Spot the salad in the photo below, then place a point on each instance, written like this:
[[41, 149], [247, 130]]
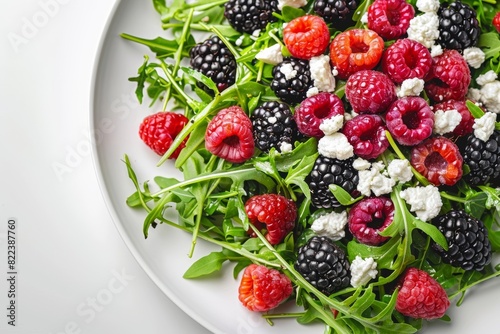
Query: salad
[[344, 155]]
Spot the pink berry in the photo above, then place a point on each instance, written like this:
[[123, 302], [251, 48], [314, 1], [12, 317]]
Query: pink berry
[[406, 59], [366, 133], [390, 18], [370, 92], [370, 216]]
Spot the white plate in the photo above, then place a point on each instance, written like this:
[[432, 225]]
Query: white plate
[[212, 302]]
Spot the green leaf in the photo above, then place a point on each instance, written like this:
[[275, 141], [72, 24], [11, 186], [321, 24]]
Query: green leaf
[[474, 109], [141, 79], [206, 265], [475, 203], [490, 43], [160, 46], [433, 232], [289, 13], [201, 78], [342, 196]]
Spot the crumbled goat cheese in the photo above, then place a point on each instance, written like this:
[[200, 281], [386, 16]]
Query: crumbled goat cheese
[[425, 202], [291, 3], [486, 78], [364, 18], [411, 87], [285, 147], [400, 170], [256, 33], [361, 164], [490, 96], [474, 94], [446, 121], [321, 73], [428, 6], [335, 146], [239, 41], [424, 29], [331, 125], [436, 50], [474, 57], [331, 225], [374, 181], [312, 91], [362, 271], [288, 71], [484, 126], [271, 55]]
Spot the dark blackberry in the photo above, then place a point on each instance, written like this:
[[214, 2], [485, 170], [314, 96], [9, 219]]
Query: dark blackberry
[[250, 15], [273, 125], [324, 265], [213, 59], [468, 243], [458, 26], [482, 159], [328, 171], [336, 13], [292, 80]]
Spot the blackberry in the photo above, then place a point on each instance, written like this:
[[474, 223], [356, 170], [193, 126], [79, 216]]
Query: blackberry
[[327, 171], [468, 243], [336, 13], [482, 158], [273, 125], [291, 80], [250, 15], [213, 59], [458, 26], [324, 265]]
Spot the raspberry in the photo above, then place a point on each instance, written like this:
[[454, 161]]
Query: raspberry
[[262, 289], [159, 130], [370, 91], [306, 36], [406, 59], [274, 211], [420, 296], [465, 126], [354, 50], [438, 160], [409, 120], [229, 135], [370, 216], [390, 18], [449, 77], [366, 133], [311, 112], [496, 21]]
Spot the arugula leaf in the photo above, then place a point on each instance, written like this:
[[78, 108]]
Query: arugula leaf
[[206, 265]]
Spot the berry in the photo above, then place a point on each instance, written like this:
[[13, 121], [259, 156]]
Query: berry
[[465, 126], [229, 135], [409, 120], [354, 50], [159, 130], [406, 59], [292, 80], [262, 289], [467, 238], [370, 216], [249, 16], [331, 171], [366, 134], [458, 26], [438, 160], [213, 59], [370, 91], [496, 21], [337, 13], [323, 264], [390, 18], [449, 77], [273, 125], [274, 211], [311, 112], [420, 296], [306, 36]]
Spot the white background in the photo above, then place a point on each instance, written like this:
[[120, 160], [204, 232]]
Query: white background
[[75, 274]]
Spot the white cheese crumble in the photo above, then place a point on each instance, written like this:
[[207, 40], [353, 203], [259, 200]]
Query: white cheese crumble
[[425, 202], [288, 71], [362, 271], [272, 119], [256, 33], [364, 18], [291, 3], [374, 181], [428, 6], [335, 146], [436, 50], [474, 94], [474, 57], [446, 121], [424, 29], [489, 94], [321, 73], [331, 225], [286, 147], [411, 87], [239, 41], [270, 55], [312, 91], [361, 164], [484, 126], [331, 125], [486, 78], [400, 170]]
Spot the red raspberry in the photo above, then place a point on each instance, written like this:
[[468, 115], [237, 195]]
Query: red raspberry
[[159, 130], [390, 18], [370, 216], [306, 36], [274, 211], [370, 91], [311, 112], [449, 77], [420, 296], [410, 120], [406, 59], [262, 289], [229, 135], [496, 21], [366, 133], [354, 50], [438, 160], [465, 126]]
